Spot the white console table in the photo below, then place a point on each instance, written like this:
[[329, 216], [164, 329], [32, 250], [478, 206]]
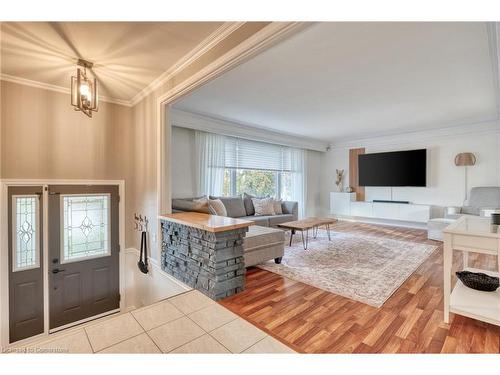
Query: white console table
[[477, 235], [345, 204]]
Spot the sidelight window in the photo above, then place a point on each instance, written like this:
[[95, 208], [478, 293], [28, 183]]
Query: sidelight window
[[26, 232]]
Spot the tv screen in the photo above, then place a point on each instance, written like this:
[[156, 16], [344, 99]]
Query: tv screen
[[402, 168]]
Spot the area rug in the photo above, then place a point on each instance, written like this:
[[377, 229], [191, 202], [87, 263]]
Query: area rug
[[363, 268]]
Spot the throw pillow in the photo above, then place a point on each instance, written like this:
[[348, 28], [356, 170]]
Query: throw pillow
[[217, 207], [277, 207], [247, 200], [263, 206]]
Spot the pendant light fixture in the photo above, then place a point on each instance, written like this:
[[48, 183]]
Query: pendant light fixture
[[84, 93]]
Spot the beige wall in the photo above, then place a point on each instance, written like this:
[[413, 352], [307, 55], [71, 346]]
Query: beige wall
[[43, 137]]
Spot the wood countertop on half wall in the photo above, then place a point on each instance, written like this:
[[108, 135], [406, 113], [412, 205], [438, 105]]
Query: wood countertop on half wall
[[210, 223]]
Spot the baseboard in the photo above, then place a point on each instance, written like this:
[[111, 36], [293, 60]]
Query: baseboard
[[387, 223], [145, 289], [154, 263]]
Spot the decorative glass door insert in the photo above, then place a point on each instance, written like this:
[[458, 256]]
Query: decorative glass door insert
[[26, 233], [85, 227]]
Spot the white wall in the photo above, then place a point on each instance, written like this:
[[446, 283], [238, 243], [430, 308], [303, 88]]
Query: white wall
[[445, 181], [313, 194], [183, 167]]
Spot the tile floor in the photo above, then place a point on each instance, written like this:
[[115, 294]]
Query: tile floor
[[187, 323]]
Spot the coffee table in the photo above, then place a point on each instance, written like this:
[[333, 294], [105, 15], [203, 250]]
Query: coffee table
[[305, 224]]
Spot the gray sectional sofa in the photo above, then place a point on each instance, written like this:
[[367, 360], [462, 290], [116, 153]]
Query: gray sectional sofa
[[242, 207]]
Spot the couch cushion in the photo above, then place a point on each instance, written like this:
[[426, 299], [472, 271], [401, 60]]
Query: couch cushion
[[278, 219], [258, 237], [234, 206], [189, 205], [247, 200], [258, 220], [485, 196]]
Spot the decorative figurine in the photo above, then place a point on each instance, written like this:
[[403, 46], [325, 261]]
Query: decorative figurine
[[339, 180]]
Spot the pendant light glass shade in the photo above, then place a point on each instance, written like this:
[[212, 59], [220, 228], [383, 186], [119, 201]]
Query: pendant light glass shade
[[84, 91]]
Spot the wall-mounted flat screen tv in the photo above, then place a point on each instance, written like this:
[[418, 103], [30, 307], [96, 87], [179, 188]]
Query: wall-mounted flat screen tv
[[401, 168]]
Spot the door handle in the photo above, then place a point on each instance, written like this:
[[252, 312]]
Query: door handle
[[57, 270]]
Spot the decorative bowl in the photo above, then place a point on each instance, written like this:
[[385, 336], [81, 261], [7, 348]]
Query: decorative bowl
[[479, 281]]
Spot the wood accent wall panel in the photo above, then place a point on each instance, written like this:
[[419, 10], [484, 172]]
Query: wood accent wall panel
[[354, 173]]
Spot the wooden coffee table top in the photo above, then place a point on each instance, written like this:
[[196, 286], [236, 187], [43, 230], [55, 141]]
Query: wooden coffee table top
[[308, 223]]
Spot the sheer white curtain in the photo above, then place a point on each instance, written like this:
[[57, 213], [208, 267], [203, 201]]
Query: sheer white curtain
[[210, 160], [299, 180]]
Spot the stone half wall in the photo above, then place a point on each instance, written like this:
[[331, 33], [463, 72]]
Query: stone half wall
[[210, 262]]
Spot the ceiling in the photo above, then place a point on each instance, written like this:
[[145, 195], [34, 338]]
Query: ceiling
[[127, 56], [340, 81]]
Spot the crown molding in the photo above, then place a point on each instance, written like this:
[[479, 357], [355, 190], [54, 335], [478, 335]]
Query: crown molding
[[411, 137], [256, 43], [62, 90], [206, 44], [223, 126]]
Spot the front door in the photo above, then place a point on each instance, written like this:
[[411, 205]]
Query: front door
[[83, 252], [25, 208]]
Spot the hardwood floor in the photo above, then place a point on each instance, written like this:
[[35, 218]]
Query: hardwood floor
[[311, 320]]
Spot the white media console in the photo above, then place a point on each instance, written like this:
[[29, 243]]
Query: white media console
[[345, 205]]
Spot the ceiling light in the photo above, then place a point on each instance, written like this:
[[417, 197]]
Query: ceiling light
[[84, 93]]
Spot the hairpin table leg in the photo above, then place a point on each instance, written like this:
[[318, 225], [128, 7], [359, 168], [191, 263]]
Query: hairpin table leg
[[304, 243]]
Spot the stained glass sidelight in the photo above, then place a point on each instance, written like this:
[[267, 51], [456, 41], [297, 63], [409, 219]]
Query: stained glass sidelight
[[26, 233], [85, 226]]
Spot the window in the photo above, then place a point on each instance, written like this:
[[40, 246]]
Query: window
[[258, 182], [232, 166], [85, 227], [26, 232], [256, 168]]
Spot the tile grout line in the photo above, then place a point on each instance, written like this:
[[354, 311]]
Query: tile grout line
[[251, 346], [237, 317], [208, 333], [146, 332], [118, 342], [88, 339]]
